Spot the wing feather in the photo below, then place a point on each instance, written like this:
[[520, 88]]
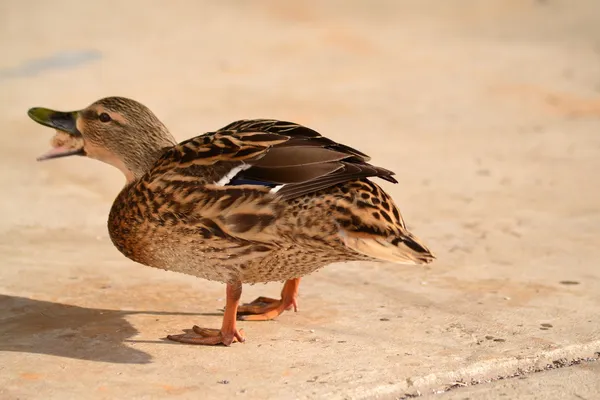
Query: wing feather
[[270, 153]]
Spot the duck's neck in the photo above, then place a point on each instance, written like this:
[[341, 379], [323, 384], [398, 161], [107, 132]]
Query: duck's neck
[[137, 165], [137, 158]]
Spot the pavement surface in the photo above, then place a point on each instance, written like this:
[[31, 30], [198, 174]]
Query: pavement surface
[[488, 111]]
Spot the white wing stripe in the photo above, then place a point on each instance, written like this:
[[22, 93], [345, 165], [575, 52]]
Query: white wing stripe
[[276, 188], [231, 174]]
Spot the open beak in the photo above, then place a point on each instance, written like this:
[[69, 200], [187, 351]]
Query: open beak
[[68, 141]]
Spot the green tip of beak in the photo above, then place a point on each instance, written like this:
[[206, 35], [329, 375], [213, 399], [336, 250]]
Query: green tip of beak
[[41, 115], [62, 121]]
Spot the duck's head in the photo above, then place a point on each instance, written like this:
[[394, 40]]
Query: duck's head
[[115, 130]]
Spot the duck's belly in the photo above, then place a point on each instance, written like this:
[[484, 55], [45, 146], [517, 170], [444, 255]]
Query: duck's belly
[[293, 262], [225, 261], [210, 260]]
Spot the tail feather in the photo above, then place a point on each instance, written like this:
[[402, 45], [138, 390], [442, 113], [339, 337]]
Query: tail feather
[[405, 249]]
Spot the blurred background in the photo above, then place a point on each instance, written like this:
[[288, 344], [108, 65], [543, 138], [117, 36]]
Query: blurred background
[[487, 110]]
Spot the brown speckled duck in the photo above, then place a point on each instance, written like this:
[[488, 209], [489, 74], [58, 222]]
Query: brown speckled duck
[[255, 201]]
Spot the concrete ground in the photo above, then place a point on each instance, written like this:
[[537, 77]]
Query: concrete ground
[[489, 112]]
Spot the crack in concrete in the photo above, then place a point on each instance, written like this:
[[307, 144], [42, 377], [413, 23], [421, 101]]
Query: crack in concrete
[[520, 373]]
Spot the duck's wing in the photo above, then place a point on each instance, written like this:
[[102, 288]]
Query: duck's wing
[[288, 159]]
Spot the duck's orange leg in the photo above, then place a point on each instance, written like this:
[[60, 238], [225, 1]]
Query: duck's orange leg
[[228, 332], [265, 308]]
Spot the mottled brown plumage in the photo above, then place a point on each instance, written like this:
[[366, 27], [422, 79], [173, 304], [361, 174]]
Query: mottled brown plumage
[[256, 201]]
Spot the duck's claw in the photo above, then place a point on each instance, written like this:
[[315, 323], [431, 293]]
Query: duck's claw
[[208, 336]]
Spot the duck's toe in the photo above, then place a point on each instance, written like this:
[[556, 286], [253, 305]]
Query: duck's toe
[[266, 308], [208, 336], [261, 309]]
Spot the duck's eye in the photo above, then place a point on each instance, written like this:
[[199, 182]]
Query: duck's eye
[[104, 117]]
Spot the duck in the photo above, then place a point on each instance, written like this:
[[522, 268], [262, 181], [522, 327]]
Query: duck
[[259, 200]]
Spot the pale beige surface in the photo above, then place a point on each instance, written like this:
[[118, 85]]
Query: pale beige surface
[[489, 112]]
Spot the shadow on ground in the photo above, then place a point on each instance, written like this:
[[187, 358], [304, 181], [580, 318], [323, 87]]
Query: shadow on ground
[[43, 327]]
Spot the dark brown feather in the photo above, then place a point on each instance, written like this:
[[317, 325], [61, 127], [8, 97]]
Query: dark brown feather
[[290, 174], [348, 172], [300, 155]]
